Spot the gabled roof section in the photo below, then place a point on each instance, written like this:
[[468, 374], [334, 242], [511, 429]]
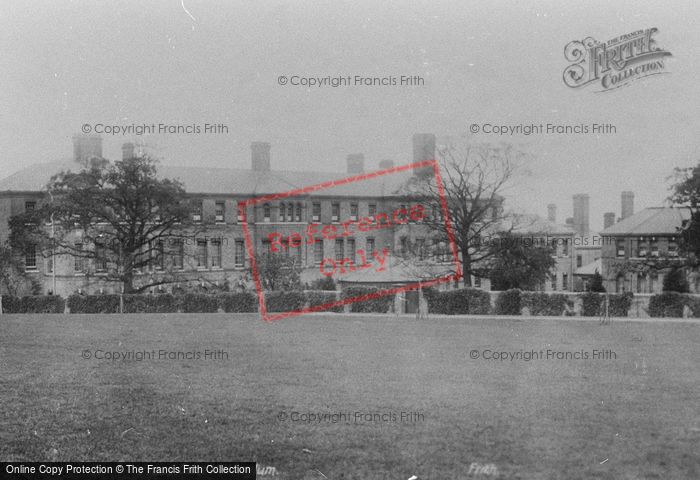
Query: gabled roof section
[[650, 221]]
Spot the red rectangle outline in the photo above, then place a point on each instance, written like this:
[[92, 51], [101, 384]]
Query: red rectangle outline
[[250, 248]]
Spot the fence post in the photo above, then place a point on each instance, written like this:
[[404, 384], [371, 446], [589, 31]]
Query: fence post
[[121, 303], [0, 304]]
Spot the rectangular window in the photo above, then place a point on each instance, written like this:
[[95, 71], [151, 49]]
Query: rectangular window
[[372, 209], [49, 264], [290, 212], [354, 211], [404, 246], [266, 213], [565, 247], [654, 247], [197, 212], [370, 246], [351, 249], [297, 217], [316, 215], [201, 254], [79, 263], [620, 246], [240, 253], [219, 211], [216, 253], [29, 206], [554, 282], [100, 257], [30, 257], [178, 254], [339, 249], [282, 211], [239, 218], [318, 252], [565, 281], [672, 248], [335, 212], [477, 282], [579, 261]]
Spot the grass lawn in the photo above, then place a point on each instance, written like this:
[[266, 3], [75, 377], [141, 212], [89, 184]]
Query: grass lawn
[[633, 417]]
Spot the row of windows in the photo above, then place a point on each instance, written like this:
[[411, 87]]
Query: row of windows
[[208, 254], [646, 247]]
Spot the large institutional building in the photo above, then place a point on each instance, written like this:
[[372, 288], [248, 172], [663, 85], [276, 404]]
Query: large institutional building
[[218, 256]]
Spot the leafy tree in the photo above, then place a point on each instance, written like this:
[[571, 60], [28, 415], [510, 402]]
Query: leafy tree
[[686, 193], [675, 281], [278, 271], [118, 218], [323, 283], [474, 177], [596, 284], [518, 264], [13, 281]]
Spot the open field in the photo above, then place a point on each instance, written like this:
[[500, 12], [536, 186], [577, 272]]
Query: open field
[[635, 416]]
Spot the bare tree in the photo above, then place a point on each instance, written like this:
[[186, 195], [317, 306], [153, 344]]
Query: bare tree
[[474, 177]]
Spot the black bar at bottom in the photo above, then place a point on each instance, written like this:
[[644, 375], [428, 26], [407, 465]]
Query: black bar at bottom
[[129, 470]]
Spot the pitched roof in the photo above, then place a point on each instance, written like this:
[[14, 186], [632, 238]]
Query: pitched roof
[[532, 224], [226, 181], [591, 268], [650, 221]]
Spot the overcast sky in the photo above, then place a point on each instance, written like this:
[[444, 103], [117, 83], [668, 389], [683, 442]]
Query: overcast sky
[[189, 62]]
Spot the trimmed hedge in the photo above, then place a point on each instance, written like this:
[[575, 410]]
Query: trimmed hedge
[[316, 297], [198, 303], [380, 304], [671, 304], [284, 301], [93, 303], [158, 303], [33, 304], [238, 302], [618, 306], [544, 304], [508, 302], [463, 301]]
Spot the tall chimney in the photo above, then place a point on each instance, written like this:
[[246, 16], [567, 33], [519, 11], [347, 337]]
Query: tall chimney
[[608, 219], [552, 213], [86, 146], [627, 205], [356, 163], [127, 151], [423, 149], [260, 156], [581, 212], [384, 164]]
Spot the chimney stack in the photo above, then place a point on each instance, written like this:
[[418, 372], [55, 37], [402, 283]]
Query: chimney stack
[[423, 149], [356, 163], [581, 214], [385, 164], [608, 219], [552, 213], [260, 156], [86, 146], [627, 205], [128, 151]]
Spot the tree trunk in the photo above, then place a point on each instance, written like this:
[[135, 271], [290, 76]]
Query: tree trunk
[[466, 269]]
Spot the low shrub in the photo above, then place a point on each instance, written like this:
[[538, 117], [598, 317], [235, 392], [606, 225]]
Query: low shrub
[[508, 302], [381, 304], [238, 302], [198, 303], [33, 304], [158, 303], [463, 301], [670, 304], [284, 301], [618, 304], [315, 297], [540, 303], [93, 303]]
